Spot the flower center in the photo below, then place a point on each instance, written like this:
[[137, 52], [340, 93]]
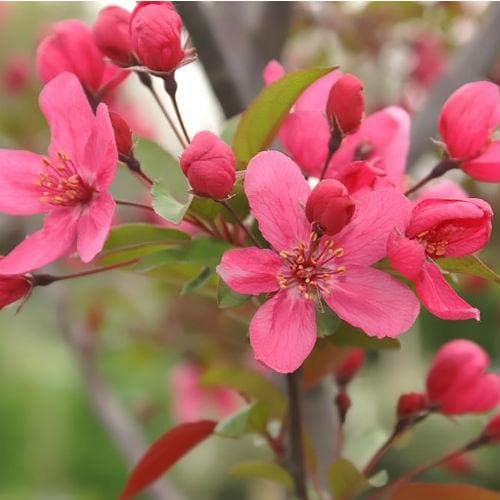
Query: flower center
[[433, 243], [61, 184], [311, 266]]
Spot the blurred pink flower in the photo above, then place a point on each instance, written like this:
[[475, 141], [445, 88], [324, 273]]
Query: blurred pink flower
[[457, 381], [303, 269], [16, 74], [467, 123], [444, 189], [430, 59], [440, 228], [70, 186], [71, 47], [192, 401]]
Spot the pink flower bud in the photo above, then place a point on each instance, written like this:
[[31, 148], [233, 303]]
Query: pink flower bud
[[155, 30], [210, 166], [123, 134], [112, 35], [411, 404], [346, 104], [492, 429], [350, 366], [15, 77], [330, 205], [457, 381], [13, 288], [343, 402]]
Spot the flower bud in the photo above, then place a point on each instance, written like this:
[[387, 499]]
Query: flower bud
[[350, 366], [112, 35], [155, 31], [492, 429], [343, 402], [210, 166], [457, 381], [330, 206], [123, 134], [411, 405], [346, 104], [16, 75], [13, 288]]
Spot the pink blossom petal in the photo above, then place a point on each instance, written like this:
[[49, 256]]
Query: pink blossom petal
[[273, 72], [440, 298], [374, 301], [250, 270], [101, 157], [305, 135], [19, 177], [378, 212], [55, 239], [94, 225], [315, 96], [277, 193], [387, 132], [283, 331], [485, 167], [444, 189], [112, 77], [188, 397], [406, 256], [467, 118], [68, 113]]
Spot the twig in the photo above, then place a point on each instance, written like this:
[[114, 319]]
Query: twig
[[297, 465], [238, 220], [171, 88], [134, 204]]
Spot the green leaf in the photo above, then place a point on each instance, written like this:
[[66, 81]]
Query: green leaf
[[251, 384], [423, 491], [380, 479], [229, 129], [170, 192], [264, 470], [328, 322], [345, 480], [226, 297], [250, 419], [261, 120], [197, 251], [471, 265], [198, 281], [351, 336], [128, 236]]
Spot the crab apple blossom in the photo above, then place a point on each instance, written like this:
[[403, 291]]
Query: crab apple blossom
[[440, 228], [112, 35], [330, 206], [14, 288], [457, 381], [70, 47], [467, 123], [350, 366], [155, 31], [411, 405], [210, 166], [302, 268], [123, 134], [16, 75], [70, 185], [346, 104]]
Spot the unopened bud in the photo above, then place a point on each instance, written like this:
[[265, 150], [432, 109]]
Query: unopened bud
[[13, 288], [411, 405], [112, 35], [343, 402], [346, 104], [350, 366], [210, 166], [492, 430], [123, 134], [330, 206], [155, 31]]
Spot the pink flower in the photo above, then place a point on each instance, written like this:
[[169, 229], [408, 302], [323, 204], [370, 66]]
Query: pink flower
[[112, 35], [302, 269], [346, 104], [71, 47], [467, 122], [155, 31], [430, 59], [444, 189], [210, 166], [192, 401], [382, 140], [273, 72], [350, 366], [440, 228], [16, 75], [492, 430], [70, 186], [411, 405], [457, 381]]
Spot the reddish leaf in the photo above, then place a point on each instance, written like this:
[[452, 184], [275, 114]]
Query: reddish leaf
[[428, 491], [164, 453]]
